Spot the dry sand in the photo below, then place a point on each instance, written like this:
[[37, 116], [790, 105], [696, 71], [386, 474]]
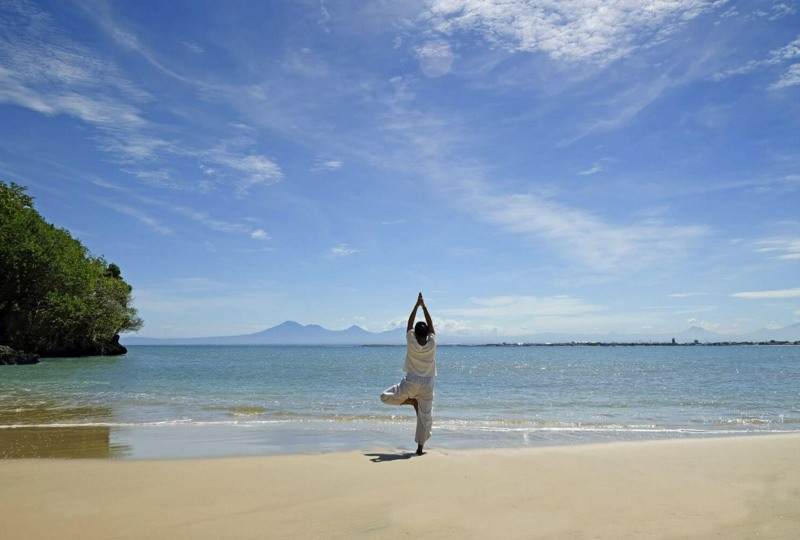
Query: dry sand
[[705, 488]]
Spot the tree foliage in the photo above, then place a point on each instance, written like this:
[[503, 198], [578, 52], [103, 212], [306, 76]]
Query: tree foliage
[[55, 297]]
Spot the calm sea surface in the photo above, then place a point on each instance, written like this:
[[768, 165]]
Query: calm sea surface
[[167, 402]]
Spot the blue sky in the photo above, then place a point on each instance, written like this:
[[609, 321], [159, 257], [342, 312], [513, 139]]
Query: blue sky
[[571, 166]]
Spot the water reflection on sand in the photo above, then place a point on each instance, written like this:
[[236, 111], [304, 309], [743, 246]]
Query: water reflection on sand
[[58, 442], [34, 413], [32, 431]]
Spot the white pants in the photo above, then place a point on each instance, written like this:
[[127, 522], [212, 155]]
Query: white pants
[[423, 393]]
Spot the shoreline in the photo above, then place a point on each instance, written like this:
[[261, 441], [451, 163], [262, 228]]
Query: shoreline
[[736, 487], [221, 440]]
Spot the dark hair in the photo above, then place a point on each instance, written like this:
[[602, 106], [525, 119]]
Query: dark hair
[[421, 330]]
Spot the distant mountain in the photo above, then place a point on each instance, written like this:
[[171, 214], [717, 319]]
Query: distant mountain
[[292, 333], [287, 333], [695, 333], [787, 333]]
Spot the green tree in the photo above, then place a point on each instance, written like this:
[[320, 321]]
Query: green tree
[[55, 297]]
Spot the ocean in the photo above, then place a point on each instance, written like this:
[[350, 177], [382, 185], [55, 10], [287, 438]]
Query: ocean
[[210, 401]]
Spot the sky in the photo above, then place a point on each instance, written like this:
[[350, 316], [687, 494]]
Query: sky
[[530, 166]]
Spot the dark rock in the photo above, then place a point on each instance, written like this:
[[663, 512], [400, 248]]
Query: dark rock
[[10, 357], [114, 348], [111, 348]]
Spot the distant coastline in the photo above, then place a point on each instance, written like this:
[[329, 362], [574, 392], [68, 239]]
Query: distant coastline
[[648, 344], [771, 343], [292, 333]]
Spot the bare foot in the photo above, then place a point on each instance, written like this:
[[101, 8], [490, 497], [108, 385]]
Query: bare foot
[[419, 450]]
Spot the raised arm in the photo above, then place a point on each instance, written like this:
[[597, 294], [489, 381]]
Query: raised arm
[[413, 315], [428, 319]]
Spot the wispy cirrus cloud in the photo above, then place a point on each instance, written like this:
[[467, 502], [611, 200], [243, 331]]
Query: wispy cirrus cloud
[[249, 169], [572, 30], [44, 71], [148, 206], [597, 244], [499, 307], [780, 248], [323, 164], [515, 315], [789, 53], [342, 250], [687, 294], [776, 11], [238, 169], [762, 295], [790, 78], [100, 12], [141, 216], [259, 234], [597, 166], [594, 169], [203, 218]]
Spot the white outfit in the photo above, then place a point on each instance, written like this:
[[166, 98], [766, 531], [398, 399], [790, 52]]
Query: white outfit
[[420, 359], [420, 368]]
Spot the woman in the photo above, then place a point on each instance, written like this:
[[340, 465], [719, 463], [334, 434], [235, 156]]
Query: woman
[[416, 388]]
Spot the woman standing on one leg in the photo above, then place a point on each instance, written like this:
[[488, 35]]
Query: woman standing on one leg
[[416, 388]]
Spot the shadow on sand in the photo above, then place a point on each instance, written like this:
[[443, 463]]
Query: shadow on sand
[[380, 458]]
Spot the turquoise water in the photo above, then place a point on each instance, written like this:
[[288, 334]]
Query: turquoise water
[[207, 401]]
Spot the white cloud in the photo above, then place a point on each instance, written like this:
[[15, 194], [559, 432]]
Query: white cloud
[[597, 166], [776, 11], [45, 72], [193, 47], [203, 218], [631, 101], [775, 57], [524, 315], [435, 58], [341, 251], [759, 295], [322, 164], [168, 179], [132, 147], [594, 169], [259, 234], [580, 235], [790, 78], [786, 53], [504, 307], [785, 249], [584, 237], [573, 30], [256, 169], [465, 252], [141, 216], [699, 309], [100, 13], [687, 295], [455, 327]]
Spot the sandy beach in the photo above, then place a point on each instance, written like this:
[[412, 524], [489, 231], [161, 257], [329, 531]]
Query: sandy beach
[[728, 488]]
